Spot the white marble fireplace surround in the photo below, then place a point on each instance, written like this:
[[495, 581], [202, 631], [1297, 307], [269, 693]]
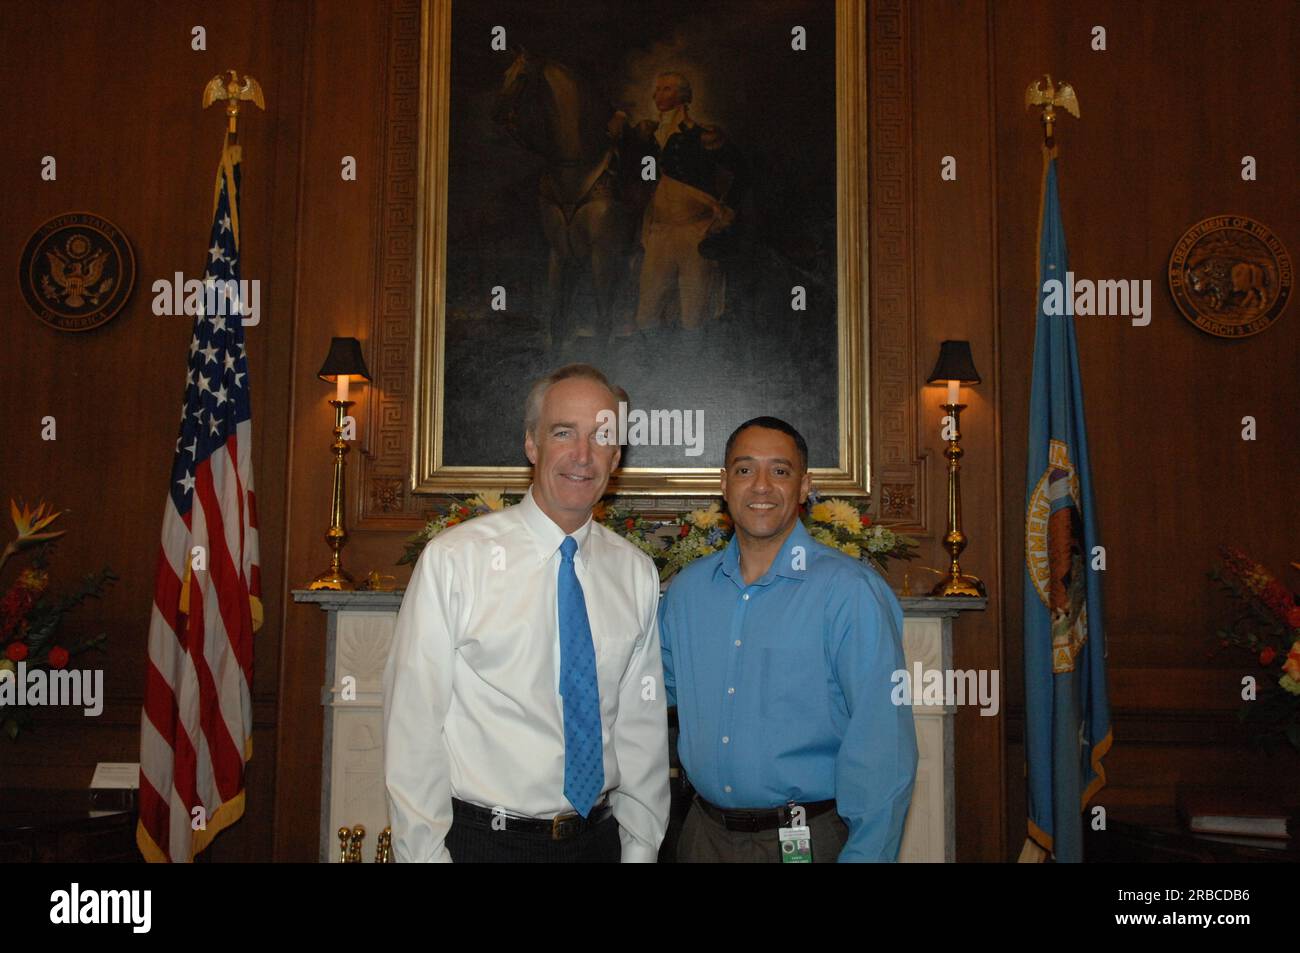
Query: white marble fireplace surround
[[359, 630]]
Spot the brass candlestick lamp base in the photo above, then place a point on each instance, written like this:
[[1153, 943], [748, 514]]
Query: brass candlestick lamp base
[[956, 583], [336, 577]]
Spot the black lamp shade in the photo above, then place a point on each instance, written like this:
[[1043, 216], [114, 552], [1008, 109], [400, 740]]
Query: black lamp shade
[[954, 364], [344, 358]]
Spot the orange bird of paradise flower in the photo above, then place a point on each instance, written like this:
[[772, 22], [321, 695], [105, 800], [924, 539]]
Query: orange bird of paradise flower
[[30, 525]]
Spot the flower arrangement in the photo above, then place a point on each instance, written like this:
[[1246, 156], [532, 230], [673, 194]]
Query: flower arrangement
[[458, 509], [1266, 623], [30, 615], [846, 526], [674, 543]]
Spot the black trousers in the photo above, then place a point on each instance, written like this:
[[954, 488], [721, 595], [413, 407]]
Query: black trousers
[[470, 842]]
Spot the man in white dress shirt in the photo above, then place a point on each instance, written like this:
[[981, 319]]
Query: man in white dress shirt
[[491, 636]]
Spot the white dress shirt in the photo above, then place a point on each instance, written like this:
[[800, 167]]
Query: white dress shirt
[[471, 708]]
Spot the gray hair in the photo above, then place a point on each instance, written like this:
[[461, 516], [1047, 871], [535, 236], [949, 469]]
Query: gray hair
[[683, 84], [537, 394]]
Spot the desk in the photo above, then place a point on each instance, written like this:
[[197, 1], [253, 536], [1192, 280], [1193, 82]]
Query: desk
[[1126, 842], [61, 827]]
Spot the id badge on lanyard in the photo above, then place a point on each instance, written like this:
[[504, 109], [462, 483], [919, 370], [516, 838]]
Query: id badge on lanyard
[[796, 840]]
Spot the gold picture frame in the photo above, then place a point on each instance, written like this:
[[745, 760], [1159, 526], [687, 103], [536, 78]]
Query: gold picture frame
[[430, 474]]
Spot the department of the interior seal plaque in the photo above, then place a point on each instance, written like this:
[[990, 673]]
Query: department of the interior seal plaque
[[76, 272], [1230, 276]]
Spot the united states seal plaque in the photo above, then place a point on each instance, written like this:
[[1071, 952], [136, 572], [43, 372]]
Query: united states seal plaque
[[1230, 276], [76, 272]]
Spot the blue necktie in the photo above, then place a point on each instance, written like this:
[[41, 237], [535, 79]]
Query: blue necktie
[[584, 761]]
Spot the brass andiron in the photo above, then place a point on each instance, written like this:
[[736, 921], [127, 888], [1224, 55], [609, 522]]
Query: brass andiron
[[956, 367], [384, 848], [344, 362], [354, 844], [351, 840]]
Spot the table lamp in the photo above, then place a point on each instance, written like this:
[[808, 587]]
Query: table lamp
[[955, 367], [343, 363]]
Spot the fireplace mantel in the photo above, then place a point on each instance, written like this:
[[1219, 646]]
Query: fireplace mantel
[[358, 633]]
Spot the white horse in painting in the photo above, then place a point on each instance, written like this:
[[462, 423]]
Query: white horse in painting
[[555, 112]]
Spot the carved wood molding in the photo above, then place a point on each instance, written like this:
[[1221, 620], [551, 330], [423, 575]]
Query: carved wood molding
[[384, 463], [899, 487], [382, 496]]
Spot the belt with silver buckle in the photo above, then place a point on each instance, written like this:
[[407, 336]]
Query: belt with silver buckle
[[560, 827]]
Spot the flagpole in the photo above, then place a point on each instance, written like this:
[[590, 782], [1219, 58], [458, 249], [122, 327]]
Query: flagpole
[[1039, 845]]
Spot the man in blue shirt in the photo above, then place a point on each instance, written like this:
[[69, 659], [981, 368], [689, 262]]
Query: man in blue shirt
[[778, 653]]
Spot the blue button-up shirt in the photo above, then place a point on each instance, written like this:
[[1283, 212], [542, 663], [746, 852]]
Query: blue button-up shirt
[[784, 688]]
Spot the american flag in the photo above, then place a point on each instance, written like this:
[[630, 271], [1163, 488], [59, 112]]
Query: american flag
[[196, 726]]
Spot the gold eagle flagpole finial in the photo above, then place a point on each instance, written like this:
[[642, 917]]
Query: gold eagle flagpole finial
[[1043, 93], [233, 92]]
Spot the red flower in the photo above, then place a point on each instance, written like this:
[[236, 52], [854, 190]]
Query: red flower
[[14, 609], [1267, 655], [866, 520], [1292, 664], [629, 523], [684, 531], [17, 651], [1277, 598], [58, 657]]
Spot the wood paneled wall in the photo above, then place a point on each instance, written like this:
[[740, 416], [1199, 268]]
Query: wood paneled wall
[[1169, 109], [113, 93], [1181, 93]]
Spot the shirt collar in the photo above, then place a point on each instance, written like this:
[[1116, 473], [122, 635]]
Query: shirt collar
[[782, 565], [547, 536]]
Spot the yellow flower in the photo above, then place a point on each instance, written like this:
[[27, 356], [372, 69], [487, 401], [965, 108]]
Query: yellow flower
[[1290, 684], [821, 513], [489, 498], [707, 519], [34, 579], [852, 550], [845, 515]]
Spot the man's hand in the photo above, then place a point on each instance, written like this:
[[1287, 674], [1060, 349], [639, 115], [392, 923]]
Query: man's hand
[[723, 217]]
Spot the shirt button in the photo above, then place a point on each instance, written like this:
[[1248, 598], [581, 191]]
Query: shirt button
[[746, 597], [727, 788], [726, 739], [737, 641], [731, 691]]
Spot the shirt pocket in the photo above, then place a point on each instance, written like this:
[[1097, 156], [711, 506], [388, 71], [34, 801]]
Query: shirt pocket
[[613, 653]]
